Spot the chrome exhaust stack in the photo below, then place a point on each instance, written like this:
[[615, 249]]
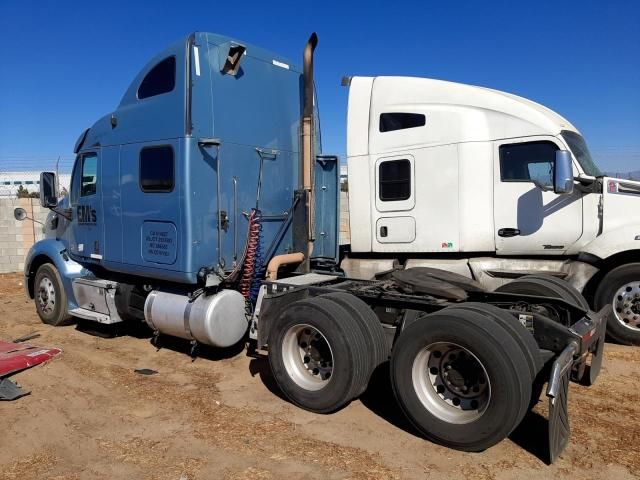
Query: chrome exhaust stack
[[308, 145]]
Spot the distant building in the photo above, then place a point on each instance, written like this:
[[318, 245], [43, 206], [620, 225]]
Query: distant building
[[10, 182]]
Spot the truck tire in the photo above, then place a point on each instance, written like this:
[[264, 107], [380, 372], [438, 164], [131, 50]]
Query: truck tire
[[318, 355], [546, 285], [370, 326], [569, 290], [517, 331], [50, 297], [524, 338], [369, 323], [621, 289], [462, 381]]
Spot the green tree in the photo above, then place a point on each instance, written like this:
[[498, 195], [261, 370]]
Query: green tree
[[22, 192]]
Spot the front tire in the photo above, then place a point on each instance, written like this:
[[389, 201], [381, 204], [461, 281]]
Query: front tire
[[461, 379], [620, 288], [50, 297]]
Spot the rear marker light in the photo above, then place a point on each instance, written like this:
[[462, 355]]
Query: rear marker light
[[589, 334]]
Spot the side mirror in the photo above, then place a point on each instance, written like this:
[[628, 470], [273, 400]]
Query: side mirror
[[48, 195], [19, 214], [563, 173]]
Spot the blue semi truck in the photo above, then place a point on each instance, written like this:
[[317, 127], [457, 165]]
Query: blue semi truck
[[203, 207]]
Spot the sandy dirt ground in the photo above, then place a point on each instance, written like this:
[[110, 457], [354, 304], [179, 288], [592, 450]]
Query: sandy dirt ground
[[221, 417]]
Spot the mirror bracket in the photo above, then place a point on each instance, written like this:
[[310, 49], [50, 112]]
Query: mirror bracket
[[544, 188], [65, 213]]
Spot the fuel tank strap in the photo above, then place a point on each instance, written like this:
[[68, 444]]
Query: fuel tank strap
[[147, 311], [185, 318]]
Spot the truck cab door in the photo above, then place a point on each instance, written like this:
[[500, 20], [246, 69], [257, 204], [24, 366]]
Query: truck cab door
[[529, 219], [85, 200]]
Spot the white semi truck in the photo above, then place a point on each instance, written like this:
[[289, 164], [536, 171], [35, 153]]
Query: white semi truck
[[460, 178]]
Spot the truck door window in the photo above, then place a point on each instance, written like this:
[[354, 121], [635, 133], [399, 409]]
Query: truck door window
[[89, 174], [529, 161], [160, 79], [394, 177], [157, 169], [399, 121]]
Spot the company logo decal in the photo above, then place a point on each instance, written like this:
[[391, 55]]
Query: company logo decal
[[447, 245], [86, 214]]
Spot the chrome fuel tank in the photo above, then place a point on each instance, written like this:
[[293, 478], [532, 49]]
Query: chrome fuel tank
[[218, 320]]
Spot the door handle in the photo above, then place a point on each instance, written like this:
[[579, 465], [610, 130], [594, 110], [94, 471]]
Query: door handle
[[508, 232], [383, 232]]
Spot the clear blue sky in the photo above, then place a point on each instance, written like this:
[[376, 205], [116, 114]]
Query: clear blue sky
[[65, 64]]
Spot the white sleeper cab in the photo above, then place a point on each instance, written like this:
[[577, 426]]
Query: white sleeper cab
[[461, 178]]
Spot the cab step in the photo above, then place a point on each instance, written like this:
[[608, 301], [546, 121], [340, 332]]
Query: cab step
[[96, 300]]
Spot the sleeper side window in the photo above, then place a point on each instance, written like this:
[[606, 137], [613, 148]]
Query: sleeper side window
[[400, 121], [157, 169], [160, 79], [394, 180], [528, 162], [89, 178]]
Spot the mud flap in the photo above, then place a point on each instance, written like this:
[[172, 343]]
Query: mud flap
[[558, 393], [596, 355]]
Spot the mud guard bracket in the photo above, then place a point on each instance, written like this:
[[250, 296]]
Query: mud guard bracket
[[597, 352]]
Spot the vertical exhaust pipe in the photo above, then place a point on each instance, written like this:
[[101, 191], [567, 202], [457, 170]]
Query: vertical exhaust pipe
[[308, 143]]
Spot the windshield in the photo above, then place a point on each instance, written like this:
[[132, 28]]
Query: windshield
[[579, 148]]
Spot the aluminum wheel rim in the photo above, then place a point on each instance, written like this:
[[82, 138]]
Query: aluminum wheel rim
[[307, 357], [46, 296], [451, 382], [626, 305]]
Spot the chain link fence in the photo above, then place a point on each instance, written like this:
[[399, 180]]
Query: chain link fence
[[20, 175]]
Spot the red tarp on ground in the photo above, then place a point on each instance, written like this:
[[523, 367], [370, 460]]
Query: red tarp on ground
[[20, 356]]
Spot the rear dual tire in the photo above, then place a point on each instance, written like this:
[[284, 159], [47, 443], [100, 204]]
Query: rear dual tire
[[323, 350], [545, 285], [473, 401], [322, 354]]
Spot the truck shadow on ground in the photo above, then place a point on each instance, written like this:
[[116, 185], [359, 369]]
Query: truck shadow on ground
[[260, 367], [142, 331], [530, 435], [202, 351]]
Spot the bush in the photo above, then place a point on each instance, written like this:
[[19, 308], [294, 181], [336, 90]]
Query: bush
[[22, 192]]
